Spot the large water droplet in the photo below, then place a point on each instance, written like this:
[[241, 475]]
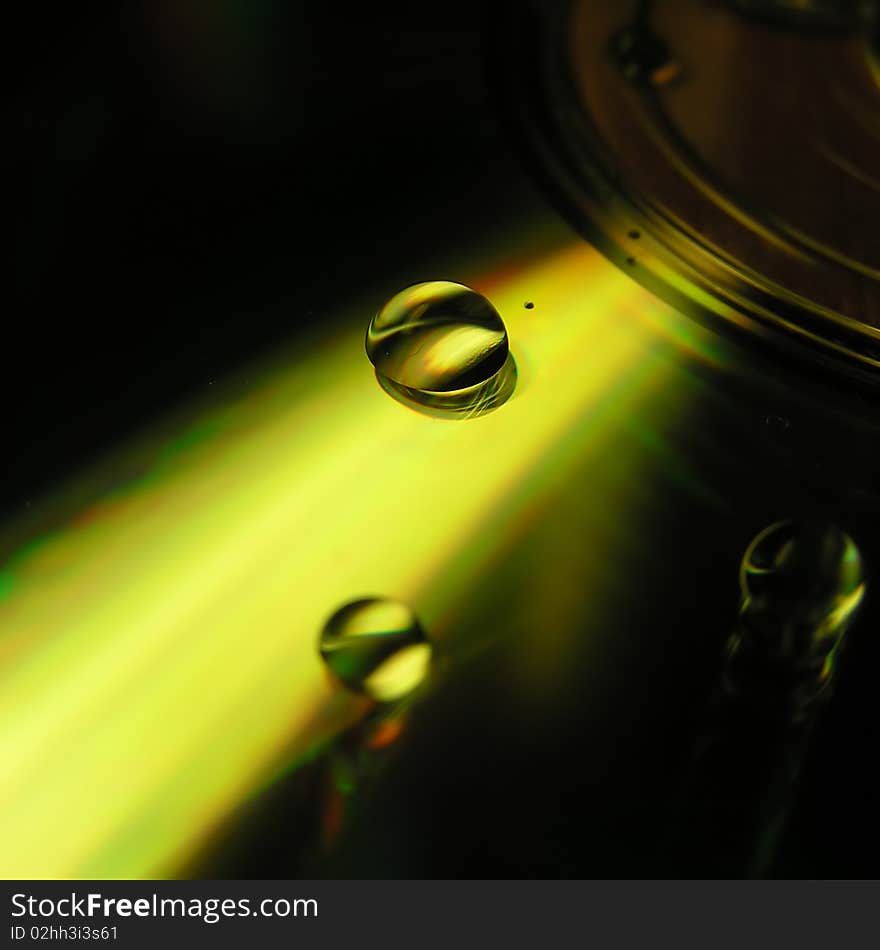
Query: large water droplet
[[442, 347], [376, 646]]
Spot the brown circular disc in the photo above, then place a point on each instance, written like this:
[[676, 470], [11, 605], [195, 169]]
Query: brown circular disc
[[728, 160]]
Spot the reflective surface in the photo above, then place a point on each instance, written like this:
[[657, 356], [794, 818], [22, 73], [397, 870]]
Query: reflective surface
[[574, 555]]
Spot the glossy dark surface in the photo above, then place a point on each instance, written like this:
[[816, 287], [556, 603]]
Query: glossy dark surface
[[184, 202]]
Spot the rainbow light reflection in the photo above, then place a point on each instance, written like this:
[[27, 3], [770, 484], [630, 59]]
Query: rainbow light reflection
[[159, 656]]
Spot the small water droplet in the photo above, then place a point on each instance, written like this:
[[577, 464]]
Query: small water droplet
[[643, 56], [377, 647], [777, 426], [442, 347]]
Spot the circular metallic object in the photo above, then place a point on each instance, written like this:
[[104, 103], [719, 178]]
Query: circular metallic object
[[727, 164]]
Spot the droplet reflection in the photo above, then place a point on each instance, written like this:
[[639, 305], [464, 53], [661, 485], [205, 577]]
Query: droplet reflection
[[442, 348], [375, 646], [802, 585]]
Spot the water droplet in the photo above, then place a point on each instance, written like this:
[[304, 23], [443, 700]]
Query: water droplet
[[377, 647], [441, 347], [643, 56], [777, 426], [802, 587], [806, 577]]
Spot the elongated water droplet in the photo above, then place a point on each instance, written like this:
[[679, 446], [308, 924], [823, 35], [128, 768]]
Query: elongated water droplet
[[809, 573], [803, 585], [440, 346], [376, 646]]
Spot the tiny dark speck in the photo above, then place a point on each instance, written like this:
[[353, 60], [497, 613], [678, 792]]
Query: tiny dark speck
[[529, 305]]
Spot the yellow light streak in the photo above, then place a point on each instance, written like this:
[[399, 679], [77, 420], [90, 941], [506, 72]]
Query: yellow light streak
[[159, 653]]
